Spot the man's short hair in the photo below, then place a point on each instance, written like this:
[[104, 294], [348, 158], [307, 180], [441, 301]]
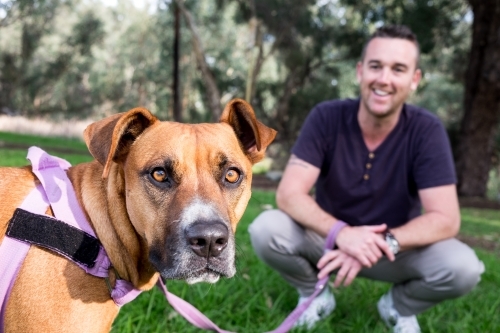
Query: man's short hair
[[394, 31]]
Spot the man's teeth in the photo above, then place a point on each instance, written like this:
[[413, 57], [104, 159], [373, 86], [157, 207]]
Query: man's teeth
[[381, 92]]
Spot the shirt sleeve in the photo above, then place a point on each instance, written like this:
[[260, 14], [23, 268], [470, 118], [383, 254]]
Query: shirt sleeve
[[433, 162], [311, 145]]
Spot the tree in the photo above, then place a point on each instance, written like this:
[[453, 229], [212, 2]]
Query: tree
[[34, 19], [213, 93], [480, 123], [29, 72], [177, 106], [295, 40]]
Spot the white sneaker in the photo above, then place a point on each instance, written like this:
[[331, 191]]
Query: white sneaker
[[320, 308], [392, 318]]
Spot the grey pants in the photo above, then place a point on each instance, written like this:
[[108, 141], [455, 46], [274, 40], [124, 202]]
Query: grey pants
[[421, 277]]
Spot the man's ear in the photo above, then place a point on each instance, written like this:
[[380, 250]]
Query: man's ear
[[109, 140], [359, 71], [252, 134], [417, 76]]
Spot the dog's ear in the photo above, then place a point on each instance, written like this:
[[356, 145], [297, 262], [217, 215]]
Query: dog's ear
[[253, 135], [109, 139]]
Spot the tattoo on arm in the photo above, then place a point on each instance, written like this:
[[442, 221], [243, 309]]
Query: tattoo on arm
[[296, 161]]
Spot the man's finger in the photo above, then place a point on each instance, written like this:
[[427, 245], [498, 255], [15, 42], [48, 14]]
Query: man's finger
[[377, 228], [361, 257], [371, 257], [376, 252], [365, 261], [353, 272], [385, 248], [327, 257], [330, 267], [341, 274]]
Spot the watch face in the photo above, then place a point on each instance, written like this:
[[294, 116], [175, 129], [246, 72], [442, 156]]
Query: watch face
[[392, 242]]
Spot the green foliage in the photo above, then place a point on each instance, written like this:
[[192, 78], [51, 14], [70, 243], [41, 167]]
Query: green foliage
[[46, 55], [79, 59], [432, 21]]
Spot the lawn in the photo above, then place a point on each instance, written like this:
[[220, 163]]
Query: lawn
[[13, 148], [257, 299]]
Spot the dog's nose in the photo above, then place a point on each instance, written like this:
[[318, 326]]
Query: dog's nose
[[207, 239]]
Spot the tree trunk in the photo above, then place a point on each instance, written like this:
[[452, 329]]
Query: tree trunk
[[256, 60], [9, 75], [482, 101], [207, 75], [177, 107]]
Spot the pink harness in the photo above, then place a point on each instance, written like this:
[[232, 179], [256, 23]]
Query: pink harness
[[57, 192]]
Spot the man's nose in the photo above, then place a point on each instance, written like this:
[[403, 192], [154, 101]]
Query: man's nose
[[384, 76]]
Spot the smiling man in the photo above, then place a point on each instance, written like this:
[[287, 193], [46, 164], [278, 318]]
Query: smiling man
[[384, 189]]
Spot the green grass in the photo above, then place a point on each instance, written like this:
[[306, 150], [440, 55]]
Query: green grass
[[483, 222], [49, 142], [258, 300], [14, 148]]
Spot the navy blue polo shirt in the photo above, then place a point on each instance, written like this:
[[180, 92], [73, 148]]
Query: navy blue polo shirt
[[367, 188]]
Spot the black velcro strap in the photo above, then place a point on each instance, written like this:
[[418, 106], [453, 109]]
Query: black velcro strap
[[55, 235]]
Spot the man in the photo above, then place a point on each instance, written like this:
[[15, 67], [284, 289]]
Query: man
[[376, 162]]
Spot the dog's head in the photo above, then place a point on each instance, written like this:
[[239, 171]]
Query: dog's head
[[185, 186]]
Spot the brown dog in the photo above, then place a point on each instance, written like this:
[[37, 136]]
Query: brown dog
[[161, 196]]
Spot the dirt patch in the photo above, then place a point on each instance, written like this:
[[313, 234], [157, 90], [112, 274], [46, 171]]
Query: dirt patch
[[480, 242], [479, 203], [263, 183]]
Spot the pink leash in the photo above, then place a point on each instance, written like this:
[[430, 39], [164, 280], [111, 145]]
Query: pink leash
[[58, 192]]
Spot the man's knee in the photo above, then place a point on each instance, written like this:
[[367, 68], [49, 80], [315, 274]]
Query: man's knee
[[264, 230], [460, 271], [467, 273]]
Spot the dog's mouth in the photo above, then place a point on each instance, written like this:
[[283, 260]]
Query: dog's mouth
[[203, 275], [194, 269]]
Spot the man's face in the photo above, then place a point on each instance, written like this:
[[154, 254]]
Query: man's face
[[387, 75]]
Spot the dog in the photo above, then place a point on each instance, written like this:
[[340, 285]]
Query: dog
[[163, 198]]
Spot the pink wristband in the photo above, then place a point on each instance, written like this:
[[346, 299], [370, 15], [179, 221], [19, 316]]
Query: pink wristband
[[332, 234]]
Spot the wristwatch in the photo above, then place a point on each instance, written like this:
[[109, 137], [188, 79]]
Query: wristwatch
[[392, 242]]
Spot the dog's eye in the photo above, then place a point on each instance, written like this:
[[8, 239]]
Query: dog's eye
[[232, 176], [159, 174]]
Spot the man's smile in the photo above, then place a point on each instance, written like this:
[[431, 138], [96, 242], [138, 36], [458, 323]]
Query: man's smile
[[379, 92]]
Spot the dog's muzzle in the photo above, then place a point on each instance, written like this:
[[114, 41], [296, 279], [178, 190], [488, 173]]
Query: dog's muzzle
[[201, 251]]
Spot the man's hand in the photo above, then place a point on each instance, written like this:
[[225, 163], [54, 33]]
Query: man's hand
[[364, 243], [349, 267]]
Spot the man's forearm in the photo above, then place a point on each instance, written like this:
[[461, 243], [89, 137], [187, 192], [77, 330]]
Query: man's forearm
[[293, 197], [441, 219], [426, 229], [304, 209]]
